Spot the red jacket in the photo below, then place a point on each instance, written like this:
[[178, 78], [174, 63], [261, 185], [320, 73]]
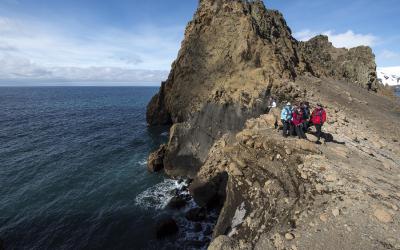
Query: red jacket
[[297, 118], [318, 116]]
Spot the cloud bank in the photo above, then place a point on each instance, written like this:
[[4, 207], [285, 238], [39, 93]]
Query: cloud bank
[[37, 51], [348, 39]]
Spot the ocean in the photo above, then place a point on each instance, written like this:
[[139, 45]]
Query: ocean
[[73, 171]]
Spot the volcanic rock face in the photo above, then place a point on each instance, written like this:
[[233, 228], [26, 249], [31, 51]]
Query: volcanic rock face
[[235, 47], [356, 65], [236, 55], [231, 49], [155, 161], [293, 194]]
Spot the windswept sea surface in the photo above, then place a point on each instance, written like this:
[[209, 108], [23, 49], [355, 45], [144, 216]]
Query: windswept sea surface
[[73, 170]]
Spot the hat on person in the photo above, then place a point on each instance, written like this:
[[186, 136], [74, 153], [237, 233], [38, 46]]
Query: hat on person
[[288, 104]]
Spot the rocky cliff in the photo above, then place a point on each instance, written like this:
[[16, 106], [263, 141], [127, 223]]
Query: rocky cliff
[[236, 55], [232, 48], [227, 44], [355, 65]]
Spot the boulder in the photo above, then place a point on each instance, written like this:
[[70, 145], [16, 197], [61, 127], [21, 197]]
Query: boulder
[[222, 242], [383, 216], [210, 193], [272, 119], [196, 214], [166, 227], [203, 193], [155, 161], [177, 202]]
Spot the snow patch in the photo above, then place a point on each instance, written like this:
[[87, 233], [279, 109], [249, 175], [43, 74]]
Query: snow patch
[[389, 75]]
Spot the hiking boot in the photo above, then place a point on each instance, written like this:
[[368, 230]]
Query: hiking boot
[[318, 142]]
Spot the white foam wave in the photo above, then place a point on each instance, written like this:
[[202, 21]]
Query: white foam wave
[[158, 196], [143, 162]]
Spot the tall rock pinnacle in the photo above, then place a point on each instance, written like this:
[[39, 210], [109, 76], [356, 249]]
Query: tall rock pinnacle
[[235, 55], [235, 46]]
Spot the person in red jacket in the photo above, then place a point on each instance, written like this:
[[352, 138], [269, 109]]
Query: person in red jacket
[[318, 118], [298, 122]]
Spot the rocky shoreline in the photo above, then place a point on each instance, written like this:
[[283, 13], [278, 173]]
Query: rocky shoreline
[[275, 193], [196, 222]]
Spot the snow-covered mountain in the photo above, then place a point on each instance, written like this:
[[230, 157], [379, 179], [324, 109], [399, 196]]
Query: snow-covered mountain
[[389, 75]]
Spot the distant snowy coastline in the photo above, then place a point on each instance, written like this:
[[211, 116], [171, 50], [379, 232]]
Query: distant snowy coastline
[[389, 75]]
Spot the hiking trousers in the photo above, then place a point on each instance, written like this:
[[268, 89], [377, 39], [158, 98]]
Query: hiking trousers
[[300, 132], [286, 128]]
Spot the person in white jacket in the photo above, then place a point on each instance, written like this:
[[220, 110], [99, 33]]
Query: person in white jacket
[[286, 118]]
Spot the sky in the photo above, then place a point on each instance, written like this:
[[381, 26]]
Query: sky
[[134, 42]]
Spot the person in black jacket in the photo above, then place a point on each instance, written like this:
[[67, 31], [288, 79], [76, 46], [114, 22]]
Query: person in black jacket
[[305, 108]]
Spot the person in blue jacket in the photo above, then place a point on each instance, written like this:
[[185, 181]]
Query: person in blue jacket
[[286, 118]]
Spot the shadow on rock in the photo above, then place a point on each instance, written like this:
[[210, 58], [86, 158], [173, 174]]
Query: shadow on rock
[[210, 194], [328, 138], [166, 227]]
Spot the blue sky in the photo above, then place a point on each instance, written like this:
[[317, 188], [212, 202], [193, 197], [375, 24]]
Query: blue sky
[[131, 41]]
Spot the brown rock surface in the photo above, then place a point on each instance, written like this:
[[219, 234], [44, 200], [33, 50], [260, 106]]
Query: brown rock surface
[[356, 65], [235, 55], [155, 161]]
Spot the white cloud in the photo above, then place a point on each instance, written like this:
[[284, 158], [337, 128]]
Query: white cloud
[[304, 35], [16, 68], [348, 39], [31, 50], [5, 24], [388, 54]]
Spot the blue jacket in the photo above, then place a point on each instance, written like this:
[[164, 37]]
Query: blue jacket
[[286, 113]]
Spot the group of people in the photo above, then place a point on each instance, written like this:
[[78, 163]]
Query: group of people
[[298, 119]]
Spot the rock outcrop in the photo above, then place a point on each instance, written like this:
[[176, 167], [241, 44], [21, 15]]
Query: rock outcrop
[[166, 227], [293, 194], [239, 47], [355, 65], [155, 161], [235, 56]]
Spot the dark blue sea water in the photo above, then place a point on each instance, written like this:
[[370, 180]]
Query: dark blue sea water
[[73, 170]]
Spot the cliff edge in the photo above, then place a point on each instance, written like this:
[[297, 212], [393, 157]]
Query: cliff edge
[[237, 54], [232, 47]]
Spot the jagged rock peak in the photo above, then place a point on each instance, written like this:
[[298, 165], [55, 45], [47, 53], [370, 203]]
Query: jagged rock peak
[[355, 65], [234, 48], [227, 43]]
